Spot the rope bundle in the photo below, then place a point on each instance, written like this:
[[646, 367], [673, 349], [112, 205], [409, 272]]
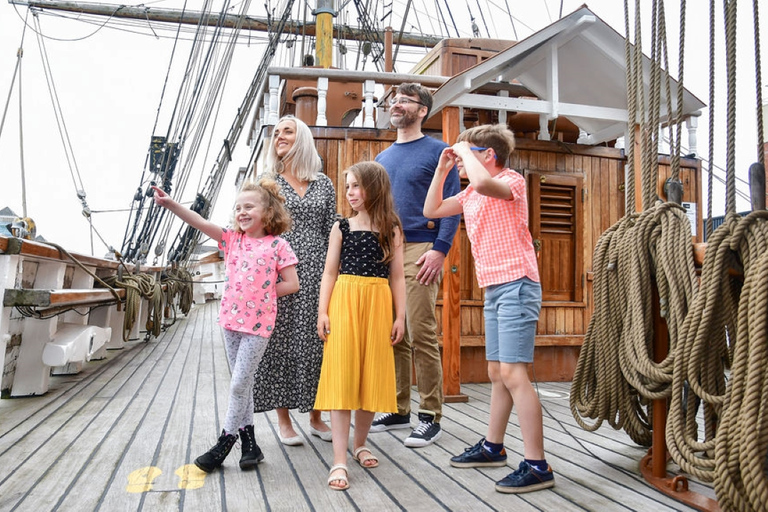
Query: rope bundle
[[616, 376], [178, 282], [140, 286], [741, 482]]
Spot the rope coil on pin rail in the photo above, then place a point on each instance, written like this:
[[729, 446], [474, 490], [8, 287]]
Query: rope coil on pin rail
[[726, 329], [616, 377], [138, 286]]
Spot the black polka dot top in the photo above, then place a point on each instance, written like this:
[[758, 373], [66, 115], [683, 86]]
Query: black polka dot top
[[361, 253]]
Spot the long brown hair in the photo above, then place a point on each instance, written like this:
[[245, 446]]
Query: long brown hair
[[277, 219], [379, 203]]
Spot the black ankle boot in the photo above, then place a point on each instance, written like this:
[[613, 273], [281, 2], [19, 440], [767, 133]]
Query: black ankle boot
[[214, 457], [251, 452]]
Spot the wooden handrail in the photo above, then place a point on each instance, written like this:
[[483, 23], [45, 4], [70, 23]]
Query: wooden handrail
[[59, 298]]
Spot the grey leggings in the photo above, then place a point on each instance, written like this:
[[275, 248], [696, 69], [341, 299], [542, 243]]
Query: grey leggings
[[244, 352]]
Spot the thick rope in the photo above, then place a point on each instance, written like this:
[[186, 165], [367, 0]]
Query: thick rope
[[710, 170], [630, 207], [758, 86], [729, 7], [615, 376], [742, 438], [137, 287]]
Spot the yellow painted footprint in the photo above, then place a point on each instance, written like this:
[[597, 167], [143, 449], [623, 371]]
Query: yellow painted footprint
[[141, 479], [190, 477]]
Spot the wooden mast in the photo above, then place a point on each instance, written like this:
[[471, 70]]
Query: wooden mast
[[324, 40], [212, 19]]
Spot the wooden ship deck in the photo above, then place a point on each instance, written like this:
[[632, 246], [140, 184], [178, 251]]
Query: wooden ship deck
[[122, 435]]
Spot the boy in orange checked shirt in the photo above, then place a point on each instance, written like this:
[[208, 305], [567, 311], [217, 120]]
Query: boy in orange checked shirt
[[496, 215]]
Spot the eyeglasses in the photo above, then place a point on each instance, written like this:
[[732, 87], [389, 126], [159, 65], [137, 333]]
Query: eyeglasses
[[404, 101], [478, 148]]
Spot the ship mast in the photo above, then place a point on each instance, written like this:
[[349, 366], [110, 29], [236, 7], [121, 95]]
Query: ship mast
[[256, 23]]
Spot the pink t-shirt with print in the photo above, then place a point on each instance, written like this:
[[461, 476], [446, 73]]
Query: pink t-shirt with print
[[249, 301]]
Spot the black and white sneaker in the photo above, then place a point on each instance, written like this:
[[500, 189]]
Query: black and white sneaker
[[391, 421], [426, 433]]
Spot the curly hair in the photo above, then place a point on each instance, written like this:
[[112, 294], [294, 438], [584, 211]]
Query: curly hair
[[379, 203], [277, 219]]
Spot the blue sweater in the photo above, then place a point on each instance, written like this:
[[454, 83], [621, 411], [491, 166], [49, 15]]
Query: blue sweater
[[410, 166]]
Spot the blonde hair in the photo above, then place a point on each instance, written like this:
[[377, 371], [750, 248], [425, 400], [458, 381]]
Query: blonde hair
[[379, 203], [276, 219], [496, 136], [301, 160]]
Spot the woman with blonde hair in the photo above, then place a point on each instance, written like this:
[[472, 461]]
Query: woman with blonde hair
[[290, 370]]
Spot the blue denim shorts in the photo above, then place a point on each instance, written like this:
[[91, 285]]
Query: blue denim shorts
[[511, 312]]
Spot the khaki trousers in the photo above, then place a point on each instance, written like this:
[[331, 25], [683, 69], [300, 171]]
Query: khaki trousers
[[419, 344]]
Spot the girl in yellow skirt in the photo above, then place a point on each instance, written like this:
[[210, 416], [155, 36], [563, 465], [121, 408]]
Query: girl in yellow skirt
[[363, 282]]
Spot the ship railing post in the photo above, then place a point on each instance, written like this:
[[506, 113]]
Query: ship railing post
[[503, 113], [322, 92], [368, 89], [692, 124], [9, 267], [259, 124], [543, 127], [273, 108]]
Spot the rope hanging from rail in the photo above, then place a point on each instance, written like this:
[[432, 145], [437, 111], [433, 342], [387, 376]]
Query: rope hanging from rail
[[616, 376], [727, 330], [138, 286]]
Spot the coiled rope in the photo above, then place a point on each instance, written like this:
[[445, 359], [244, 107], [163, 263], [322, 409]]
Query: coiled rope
[[615, 376], [138, 286]]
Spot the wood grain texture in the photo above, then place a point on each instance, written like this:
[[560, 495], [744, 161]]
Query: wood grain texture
[[159, 404]]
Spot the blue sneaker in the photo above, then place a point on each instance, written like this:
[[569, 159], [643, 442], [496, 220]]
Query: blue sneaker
[[526, 479], [478, 457]]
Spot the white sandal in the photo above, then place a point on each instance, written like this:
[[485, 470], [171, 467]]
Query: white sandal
[[362, 462], [344, 478]]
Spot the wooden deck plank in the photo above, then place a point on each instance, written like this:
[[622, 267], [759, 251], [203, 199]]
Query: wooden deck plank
[[161, 404]]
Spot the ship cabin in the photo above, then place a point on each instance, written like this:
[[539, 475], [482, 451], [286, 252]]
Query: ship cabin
[[563, 92]]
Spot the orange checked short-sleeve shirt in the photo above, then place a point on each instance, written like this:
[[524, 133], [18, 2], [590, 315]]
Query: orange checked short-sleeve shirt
[[498, 230]]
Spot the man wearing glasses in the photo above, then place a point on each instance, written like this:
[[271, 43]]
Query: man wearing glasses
[[411, 162]]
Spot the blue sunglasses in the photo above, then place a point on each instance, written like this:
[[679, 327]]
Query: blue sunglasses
[[477, 148]]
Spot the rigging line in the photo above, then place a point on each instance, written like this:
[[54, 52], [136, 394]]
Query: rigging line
[[19, 56], [418, 21], [452, 20], [546, 6], [165, 82], [203, 119], [58, 113], [711, 114], [482, 17], [493, 22], [759, 87], [139, 212], [511, 20], [123, 25], [442, 16], [400, 36], [40, 10], [182, 254]]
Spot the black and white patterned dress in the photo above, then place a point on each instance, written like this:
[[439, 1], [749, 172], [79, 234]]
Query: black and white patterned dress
[[290, 369]]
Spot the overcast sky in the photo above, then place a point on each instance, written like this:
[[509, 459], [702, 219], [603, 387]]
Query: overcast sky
[[109, 83]]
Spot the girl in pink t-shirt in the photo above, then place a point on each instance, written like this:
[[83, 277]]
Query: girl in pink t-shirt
[[255, 258]]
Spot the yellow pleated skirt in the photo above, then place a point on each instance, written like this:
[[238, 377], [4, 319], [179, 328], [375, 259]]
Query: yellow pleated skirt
[[358, 370]]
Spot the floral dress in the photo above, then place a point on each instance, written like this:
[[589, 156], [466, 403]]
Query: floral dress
[[289, 372]]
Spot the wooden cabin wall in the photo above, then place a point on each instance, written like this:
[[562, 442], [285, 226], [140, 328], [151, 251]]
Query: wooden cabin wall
[[562, 323]]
